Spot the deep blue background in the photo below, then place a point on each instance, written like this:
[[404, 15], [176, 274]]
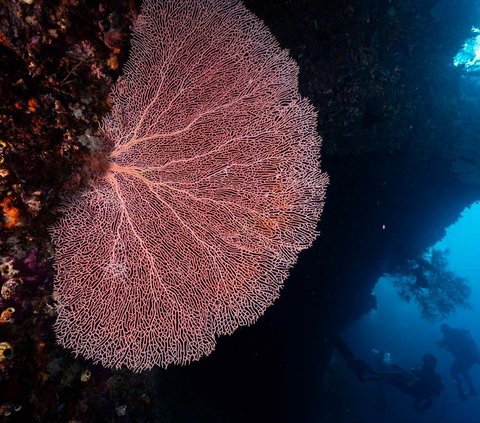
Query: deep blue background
[[397, 327]]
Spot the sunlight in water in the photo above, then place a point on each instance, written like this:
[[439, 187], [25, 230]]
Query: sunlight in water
[[469, 55]]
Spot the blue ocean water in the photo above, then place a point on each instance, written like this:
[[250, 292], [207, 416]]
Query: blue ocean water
[[397, 327]]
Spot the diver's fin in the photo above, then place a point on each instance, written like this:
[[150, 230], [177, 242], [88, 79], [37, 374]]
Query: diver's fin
[[361, 369], [342, 348]]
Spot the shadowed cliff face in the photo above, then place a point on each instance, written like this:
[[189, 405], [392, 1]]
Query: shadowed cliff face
[[396, 131]]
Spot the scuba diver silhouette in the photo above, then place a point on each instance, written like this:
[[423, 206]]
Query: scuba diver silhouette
[[462, 346], [421, 383]]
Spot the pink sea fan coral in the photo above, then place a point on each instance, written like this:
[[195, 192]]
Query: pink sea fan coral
[[212, 188]]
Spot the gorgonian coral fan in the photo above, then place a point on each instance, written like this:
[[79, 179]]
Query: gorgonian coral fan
[[213, 186]]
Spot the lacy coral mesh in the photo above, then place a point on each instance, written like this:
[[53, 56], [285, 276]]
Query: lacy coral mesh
[[213, 188]]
